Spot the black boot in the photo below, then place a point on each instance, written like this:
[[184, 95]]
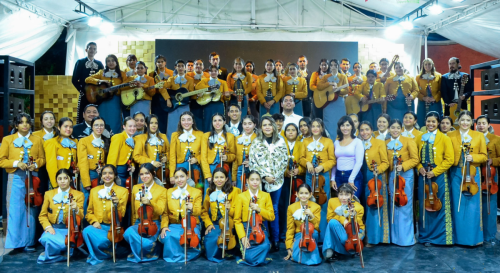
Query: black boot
[[275, 246]]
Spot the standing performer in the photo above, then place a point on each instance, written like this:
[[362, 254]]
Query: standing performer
[[339, 216], [54, 218], [280, 72], [349, 157], [214, 60], [383, 74], [410, 124], [174, 223], [85, 67], [288, 104], [296, 216], [101, 202], [344, 67], [323, 70], [238, 80], [84, 129], [318, 156], [296, 85], [212, 107], [371, 90], [435, 151], [198, 74], [152, 198], [92, 152], [190, 66], [131, 65], [140, 123], [470, 152], [143, 105], [405, 89], [161, 73], [268, 156], [305, 128], [48, 121], [330, 84], [253, 101], [269, 90], [217, 148], [252, 207], [304, 73], [488, 209], [402, 228], [354, 81], [446, 125], [20, 153], [121, 150], [217, 209], [234, 126], [382, 132], [429, 91], [377, 212], [243, 143], [61, 151], [451, 84]]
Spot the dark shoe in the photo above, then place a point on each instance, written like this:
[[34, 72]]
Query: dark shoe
[[275, 247], [29, 249], [427, 244]]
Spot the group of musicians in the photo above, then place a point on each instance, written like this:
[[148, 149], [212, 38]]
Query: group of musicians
[[232, 176]]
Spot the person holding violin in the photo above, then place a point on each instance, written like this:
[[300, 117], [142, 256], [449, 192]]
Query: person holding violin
[[239, 73], [370, 90], [268, 156], [403, 157], [152, 146], [300, 239], [243, 144], [213, 106], [54, 217], [318, 157], [19, 153], [377, 203], [185, 148], [436, 156], [446, 125], [410, 128], [296, 85], [488, 209], [217, 149], [121, 150], [183, 202], [92, 152], [470, 152], [221, 195], [150, 203], [61, 151], [269, 83], [404, 88], [251, 208], [343, 212], [105, 197]]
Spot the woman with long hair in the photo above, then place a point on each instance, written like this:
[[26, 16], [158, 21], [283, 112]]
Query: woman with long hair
[[371, 90], [297, 86], [212, 107], [243, 144], [253, 100], [404, 88], [243, 79], [429, 90], [323, 70], [161, 74], [121, 150], [269, 90]]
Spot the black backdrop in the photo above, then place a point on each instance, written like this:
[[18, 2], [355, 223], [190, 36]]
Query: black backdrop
[[256, 51]]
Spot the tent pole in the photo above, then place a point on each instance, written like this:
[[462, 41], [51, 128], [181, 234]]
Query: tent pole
[[425, 45]]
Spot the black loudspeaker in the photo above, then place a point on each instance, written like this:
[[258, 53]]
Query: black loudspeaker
[[17, 76], [490, 79], [490, 108]]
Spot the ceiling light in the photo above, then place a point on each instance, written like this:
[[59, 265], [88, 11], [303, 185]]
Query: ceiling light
[[393, 32], [407, 25], [95, 21], [107, 28], [435, 9]]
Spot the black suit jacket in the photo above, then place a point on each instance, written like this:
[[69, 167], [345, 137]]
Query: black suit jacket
[[448, 91], [80, 73], [79, 128], [222, 73]]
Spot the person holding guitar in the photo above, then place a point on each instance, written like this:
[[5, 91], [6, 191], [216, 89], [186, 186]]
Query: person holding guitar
[[371, 96], [269, 90], [429, 91], [318, 146], [253, 100], [455, 89], [470, 152], [405, 89], [17, 152], [243, 143], [296, 85], [131, 65], [161, 74], [101, 202], [197, 74], [239, 83], [323, 70], [329, 95], [139, 100], [213, 100], [436, 155], [385, 71], [493, 147]]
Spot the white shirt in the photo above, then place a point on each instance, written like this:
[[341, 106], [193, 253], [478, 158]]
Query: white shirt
[[252, 195], [293, 118], [384, 133], [291, 145], [47, 132], [234, 125]]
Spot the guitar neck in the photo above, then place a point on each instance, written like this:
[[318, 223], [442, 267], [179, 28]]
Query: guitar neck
[[196, 92], [375, 100], [113, 88], [460, 94]]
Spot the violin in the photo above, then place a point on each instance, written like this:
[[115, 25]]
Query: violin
[[33, 197], [431, 202], [74, 239], [375, 199], [353, 244], [256, 235], [399, 197], [147, 227], [226, 239], [189, 237], [165, 173], [318, 184], [468, 187], [99, 164], [193, 173], [222, 164], [74, 167], [129, 183], [115, 233], [243, 174], [295, 185], [307, 242], [488, 185]]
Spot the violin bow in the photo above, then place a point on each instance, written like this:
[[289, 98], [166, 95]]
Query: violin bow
[[113, 228], [357, 233], [28, 191], [185, 230], [69, 228], [394, 187], [142, 219], [375, 172], [225, 224], [246, 233], [466, 148], [423, 207], [291, 185]]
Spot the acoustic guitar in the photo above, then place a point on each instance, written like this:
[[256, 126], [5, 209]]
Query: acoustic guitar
[[363, 107], [131, 96], [98, 93], [322, 97], [180, 97]]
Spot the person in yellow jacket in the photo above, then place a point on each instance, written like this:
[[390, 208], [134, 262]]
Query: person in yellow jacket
[[61, 151], [212, 107], [466, 205], [323, 70], [355, 81], [48, 121], [19, 153], [367, 91], [152, 147], [104, 198], [248, 204], [405, 88], [296, 85], [410, 128], [54, 218], [243, 144], [151, 194], [269, 90], [131, 65], [383, 74], [429, 90], [92, 152], [239, 77], [179, 200], [342, 210], [220, 196], [218, 148], [161, 74], [144, 104], [121, 150], [198, 74], [296, 216], [436, 156]]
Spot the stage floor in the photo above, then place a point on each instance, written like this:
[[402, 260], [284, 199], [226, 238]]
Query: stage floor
[[382, 258]]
